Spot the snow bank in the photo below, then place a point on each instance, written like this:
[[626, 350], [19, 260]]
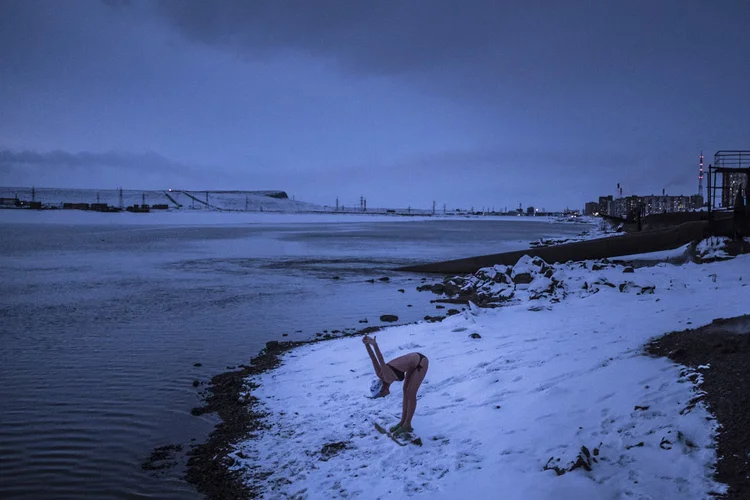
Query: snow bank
[[532, 279], [677, 255], [713, 248], [597, 228], [504, 413]]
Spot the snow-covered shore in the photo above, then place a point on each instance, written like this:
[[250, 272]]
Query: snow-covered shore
[[509, 392]]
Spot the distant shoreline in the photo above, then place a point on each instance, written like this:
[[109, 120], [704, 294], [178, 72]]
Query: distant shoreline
[[228, 201]]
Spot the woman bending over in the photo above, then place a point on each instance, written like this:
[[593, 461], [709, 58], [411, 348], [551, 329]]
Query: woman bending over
[[409, 368]]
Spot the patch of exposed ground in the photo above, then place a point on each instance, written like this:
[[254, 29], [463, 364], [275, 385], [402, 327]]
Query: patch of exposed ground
[[724, 346]]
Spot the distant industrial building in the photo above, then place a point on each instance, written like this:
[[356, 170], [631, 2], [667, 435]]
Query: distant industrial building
[[591, 208], [728, 181], [605, 204], [628, 207]]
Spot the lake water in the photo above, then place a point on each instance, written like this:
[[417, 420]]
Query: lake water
[[105, 315]]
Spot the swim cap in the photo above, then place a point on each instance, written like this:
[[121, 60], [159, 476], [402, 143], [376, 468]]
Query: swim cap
[[375, 387]]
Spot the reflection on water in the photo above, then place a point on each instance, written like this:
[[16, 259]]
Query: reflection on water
[[103, 326]]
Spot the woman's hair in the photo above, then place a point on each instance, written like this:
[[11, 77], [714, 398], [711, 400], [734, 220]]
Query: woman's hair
[[375, 387]]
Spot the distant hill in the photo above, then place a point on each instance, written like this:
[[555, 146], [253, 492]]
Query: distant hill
[[271, 201]]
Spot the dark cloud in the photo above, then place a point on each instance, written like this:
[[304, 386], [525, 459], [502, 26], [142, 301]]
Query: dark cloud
[[517, 37], [68, 169], [374, 37], [117, 3], [64, 159], [556, 70]]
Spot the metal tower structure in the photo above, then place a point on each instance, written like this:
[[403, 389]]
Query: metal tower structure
[[700, 175]]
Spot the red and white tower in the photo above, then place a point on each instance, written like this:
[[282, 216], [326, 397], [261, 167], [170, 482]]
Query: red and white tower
[[700, 175]]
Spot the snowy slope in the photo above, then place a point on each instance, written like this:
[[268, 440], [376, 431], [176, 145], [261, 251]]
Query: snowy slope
[[544, 379], [240, 201]]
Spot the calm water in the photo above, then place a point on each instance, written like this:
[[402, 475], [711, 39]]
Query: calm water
[[102, 323]]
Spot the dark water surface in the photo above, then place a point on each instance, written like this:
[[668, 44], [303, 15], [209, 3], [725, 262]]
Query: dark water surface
[[102, 324]]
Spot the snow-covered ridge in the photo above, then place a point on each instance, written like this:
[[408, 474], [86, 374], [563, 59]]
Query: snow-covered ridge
[[512, 396]]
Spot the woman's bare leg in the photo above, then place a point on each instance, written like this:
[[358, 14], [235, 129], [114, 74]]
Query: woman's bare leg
[[411, 385], [404, 407]]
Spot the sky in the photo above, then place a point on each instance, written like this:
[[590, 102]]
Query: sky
[[466, 103]]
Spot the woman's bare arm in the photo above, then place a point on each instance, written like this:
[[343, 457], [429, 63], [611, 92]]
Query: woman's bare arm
[[375, 363], [378, 353]]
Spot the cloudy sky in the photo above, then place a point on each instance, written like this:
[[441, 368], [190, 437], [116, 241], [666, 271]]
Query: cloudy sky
[[468, 103]]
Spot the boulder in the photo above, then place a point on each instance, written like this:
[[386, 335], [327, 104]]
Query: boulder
[[272, 345], [540, 287], [523, 278]]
